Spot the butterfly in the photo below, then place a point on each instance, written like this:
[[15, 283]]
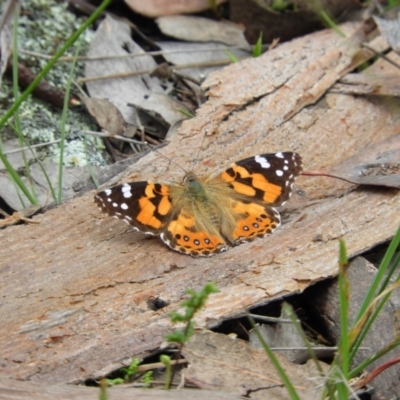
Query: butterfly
[[202, 217]]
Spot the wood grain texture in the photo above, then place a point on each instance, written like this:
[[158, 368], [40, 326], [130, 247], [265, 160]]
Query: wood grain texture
[[13, 390], [74, 288]]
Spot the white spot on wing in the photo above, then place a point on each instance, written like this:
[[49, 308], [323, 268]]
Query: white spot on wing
[[114, 204], [279, 155], [108, 192], [262, 161], [124, 206], [126, 190], [279, 172]]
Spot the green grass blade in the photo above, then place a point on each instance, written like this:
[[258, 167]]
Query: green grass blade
[[387, 260], [342, 357], [16, 115], [231, 56], [16, 178], [92, 175], [344, 294], [257, 50], [371, 317], [329, 21], [285, 379], [379, 277], [63, 123], [26, 143], [166, 360], [288, 311], [17, 181], [392, 345]]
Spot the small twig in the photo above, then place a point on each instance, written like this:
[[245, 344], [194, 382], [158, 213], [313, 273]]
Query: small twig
[[378, 53], [44, 90], [33, 146], [149, 367], [19, 216], [270, 319], [333, 348], [124, 56], [147, 71], [110, 136], [247, 391]]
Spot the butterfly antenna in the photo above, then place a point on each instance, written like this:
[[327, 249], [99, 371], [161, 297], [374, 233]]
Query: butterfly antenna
[[171, 161], [201, 146]]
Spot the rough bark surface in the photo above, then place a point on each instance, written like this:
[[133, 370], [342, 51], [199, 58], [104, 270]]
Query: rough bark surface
[[75, 288], [12, 390]]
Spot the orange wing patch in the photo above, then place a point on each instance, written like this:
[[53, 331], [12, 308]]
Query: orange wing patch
[[183, 235], [154, 205], [255, 221], [256, 181]]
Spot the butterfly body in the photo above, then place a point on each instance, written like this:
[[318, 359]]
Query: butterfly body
[[202, 217]]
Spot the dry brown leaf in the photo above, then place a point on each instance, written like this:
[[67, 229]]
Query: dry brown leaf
[[218, 362], [190, 54], [106, 114], [155, 8], [113, 39], [378, 165], [20, 216], [6, 26], [390, 30], [198, 29], [383, 85]]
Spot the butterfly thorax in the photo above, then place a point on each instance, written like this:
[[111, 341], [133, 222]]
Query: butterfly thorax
[[195, 189]]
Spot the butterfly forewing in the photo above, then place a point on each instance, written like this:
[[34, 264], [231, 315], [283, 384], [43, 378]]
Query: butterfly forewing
[[267, 177], [143, 205]]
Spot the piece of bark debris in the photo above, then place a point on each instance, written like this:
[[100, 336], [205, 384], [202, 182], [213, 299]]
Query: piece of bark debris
[[19, 216]]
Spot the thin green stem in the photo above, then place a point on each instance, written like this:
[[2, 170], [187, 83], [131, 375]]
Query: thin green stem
[[379, 277], [285, 379], [63, 123]]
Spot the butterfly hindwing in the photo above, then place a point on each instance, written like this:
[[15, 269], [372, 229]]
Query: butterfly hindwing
[[253, 220], [183, 234]]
